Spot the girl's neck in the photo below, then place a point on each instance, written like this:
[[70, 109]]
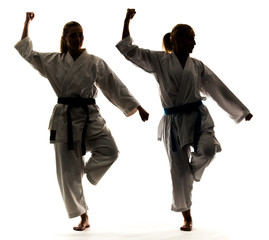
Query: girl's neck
[[76, 53], [182, 58]]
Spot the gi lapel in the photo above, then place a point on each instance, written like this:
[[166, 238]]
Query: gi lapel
[[178, 70], [181, 75], [74, 66], [184, 81]]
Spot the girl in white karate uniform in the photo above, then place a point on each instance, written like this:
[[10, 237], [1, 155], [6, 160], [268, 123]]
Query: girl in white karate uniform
[[76, 124], [186, 122]]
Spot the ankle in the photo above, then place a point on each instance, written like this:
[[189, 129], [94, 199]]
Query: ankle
[[187, 215], [84, 216]]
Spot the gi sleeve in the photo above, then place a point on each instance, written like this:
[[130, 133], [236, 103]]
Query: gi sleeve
[[143, 58], [36, 59], [212, 86], [114, 90]]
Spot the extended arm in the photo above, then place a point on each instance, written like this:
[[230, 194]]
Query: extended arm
[[29, 17], [129, 15], [117, 93], [214, 87]]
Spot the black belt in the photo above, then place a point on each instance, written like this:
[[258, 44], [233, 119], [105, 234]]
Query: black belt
[[188, 107], [76, 102]]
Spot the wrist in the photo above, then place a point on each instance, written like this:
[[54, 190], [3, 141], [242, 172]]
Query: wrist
[[127, 20]]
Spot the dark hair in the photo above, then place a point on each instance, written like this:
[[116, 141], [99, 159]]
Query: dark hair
[[179, 30], [63, 47]]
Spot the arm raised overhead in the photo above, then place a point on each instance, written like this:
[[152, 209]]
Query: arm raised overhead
[[29, 17], [129, 15]]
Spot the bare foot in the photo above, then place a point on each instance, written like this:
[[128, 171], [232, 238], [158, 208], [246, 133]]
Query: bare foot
[[84, 223], [187, 226]]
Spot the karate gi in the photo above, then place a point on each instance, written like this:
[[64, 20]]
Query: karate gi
[[179, 87], [74, 79]]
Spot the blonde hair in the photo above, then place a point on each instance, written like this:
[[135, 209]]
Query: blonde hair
[[67, 26], [179, 30], [167, 46]]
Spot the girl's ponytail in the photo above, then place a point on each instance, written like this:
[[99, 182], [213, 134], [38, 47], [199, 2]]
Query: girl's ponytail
[[167, 45]]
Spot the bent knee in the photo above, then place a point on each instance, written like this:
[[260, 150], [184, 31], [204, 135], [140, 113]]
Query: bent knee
[[208, 150], [111, 154], [114, 155]]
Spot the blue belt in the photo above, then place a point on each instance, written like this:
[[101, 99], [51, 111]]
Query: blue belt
[[188, 107]]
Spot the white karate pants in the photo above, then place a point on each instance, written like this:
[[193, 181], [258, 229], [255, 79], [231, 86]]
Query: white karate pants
[[71, 167], [187, 167]]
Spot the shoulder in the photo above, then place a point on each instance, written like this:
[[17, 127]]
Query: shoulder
[[198, 63], [163, 56], [205, 70], [92, 61], [91, 58], [49, 57], [97, 63]]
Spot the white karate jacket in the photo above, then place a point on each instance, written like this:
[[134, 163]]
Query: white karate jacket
[[78, 78], [181, 86]]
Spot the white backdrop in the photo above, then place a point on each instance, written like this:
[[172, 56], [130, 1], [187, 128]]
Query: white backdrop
[[231, 38]]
